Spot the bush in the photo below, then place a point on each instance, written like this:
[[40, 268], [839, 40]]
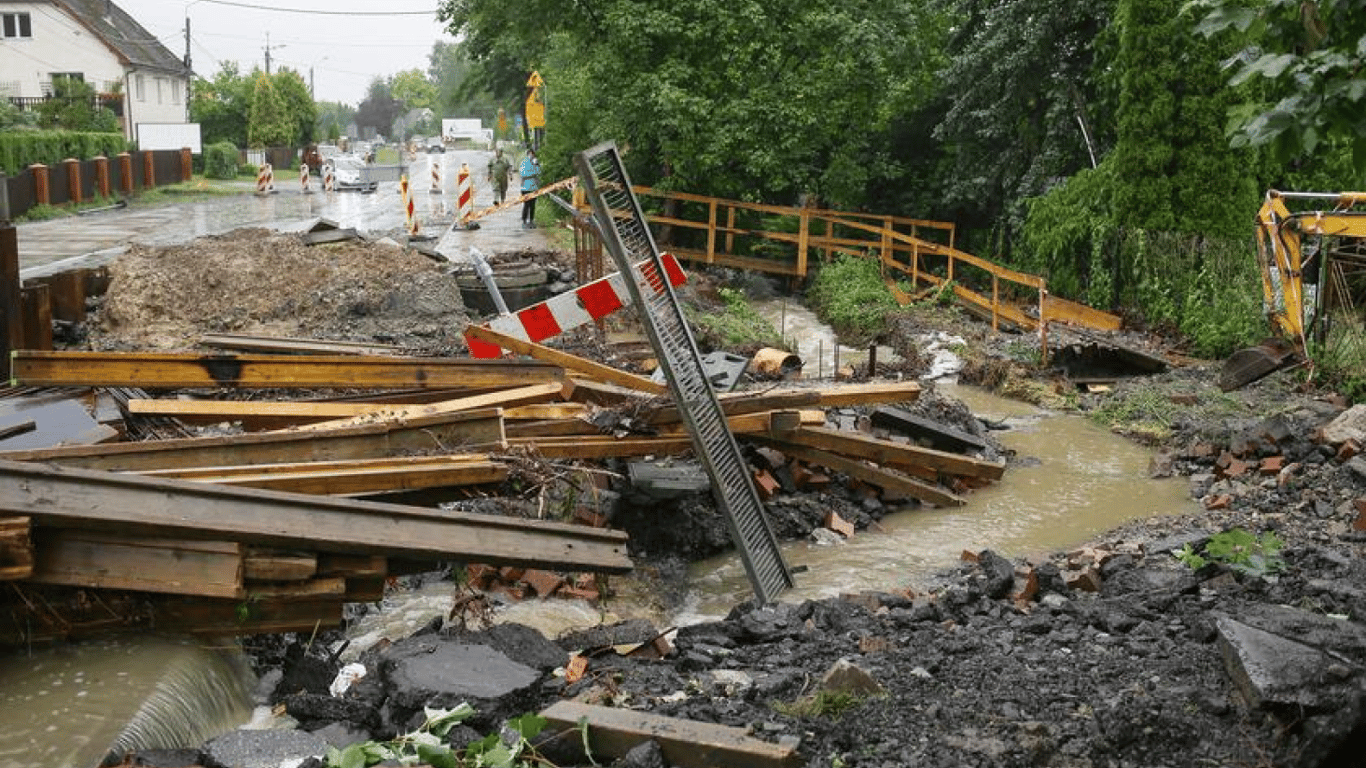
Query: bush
[[849, 294], [220, 160], [20, 149]]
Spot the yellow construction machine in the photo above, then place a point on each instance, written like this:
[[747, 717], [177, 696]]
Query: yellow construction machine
[[1312, 265]]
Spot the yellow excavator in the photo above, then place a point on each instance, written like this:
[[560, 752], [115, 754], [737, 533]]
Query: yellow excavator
[[1312, 262]]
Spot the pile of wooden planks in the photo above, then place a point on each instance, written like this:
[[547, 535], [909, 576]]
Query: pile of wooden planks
[[272, 522]]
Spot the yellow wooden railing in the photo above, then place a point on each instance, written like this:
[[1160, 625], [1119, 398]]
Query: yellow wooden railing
[[730, 233]]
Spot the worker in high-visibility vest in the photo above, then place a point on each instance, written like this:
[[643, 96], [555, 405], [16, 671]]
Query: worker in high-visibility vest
[[530, 171]]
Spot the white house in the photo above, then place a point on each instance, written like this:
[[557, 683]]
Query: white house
[[137, 77]]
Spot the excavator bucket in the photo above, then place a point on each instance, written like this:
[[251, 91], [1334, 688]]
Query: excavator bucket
[[1247, 365]]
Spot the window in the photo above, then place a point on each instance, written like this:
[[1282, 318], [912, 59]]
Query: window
[[16, 25], [140, 87], [175, 91], [160, 81]]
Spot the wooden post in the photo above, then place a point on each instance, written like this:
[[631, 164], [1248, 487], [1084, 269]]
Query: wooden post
[[803, 229], [67, 296], [37, 317], [186, 164], [73, 179], [125, 173], [102, 176], [995, 300], [42, 190], [711, 231], [11, 320], [730, 229], [1043, 325], [149, 170], [886, 241]]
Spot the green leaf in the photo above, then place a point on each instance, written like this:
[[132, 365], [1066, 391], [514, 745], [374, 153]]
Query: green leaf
[[437, 756], [354, 756], [528, 725]]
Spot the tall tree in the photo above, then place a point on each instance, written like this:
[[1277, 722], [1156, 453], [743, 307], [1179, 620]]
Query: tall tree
[[379, 109], [459, 91], [297, 102], [268, 124], [413, 88], [221, 105], [1310, 58]]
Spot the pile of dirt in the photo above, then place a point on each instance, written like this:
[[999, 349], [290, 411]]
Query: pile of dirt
[[262, 282]]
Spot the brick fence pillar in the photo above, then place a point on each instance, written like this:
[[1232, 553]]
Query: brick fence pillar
[[149, 170], [73, 179], [42, 192], [102, 176], [186, 164], [125, 172]]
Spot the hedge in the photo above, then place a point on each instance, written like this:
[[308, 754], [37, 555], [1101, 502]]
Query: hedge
[[20, 149]]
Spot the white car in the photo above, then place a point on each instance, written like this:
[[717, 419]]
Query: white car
[[350, 173]]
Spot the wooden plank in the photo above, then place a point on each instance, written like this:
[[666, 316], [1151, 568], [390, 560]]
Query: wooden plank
[[181, 370], [135, 505], [545, 411], [736, 403], [307, 590], [216, 618], [565, 360], [898, 455], [233, 410], [590, 392], [399, 462], [334, 564], [295, 346], [614, 731], [472, 431], [96, 559], [551, 428], [602, 446], [36, 308], [278, 566], [940, 436], [368, 482], [881, 478], [16, 548], [870, 393], [532, 393], [762, 423]]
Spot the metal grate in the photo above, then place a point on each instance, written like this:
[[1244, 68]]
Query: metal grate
[[628, 239]]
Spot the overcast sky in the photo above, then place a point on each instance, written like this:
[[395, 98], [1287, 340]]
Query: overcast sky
[[344, 48]]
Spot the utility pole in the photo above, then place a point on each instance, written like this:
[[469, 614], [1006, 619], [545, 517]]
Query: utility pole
[[189, 71], [268, 49]]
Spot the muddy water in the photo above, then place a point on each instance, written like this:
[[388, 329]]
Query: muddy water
[[71, 705]]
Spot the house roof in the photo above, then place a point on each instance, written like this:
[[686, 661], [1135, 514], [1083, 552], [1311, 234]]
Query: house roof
[[128, 39]]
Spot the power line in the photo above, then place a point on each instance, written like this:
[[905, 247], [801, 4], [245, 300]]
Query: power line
[[320, 13]]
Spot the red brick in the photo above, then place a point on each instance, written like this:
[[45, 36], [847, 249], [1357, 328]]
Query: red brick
[[577, 593], [589, 517], [481, 576], [1030, 590], [1360, 523], [873, 644], [1271, 465], [968, 556], [573, 671], [1219, 502], [765, 484], [1349, 449], [839, 525], [544, 583], [1087, 580], [1236, 468], [511, 573]]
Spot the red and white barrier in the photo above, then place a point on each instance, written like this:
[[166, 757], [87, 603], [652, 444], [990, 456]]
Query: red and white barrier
[[464, 195], [571, 309], [329, 178], [265, 180], [409, 207], [436, 175], [303, 177]]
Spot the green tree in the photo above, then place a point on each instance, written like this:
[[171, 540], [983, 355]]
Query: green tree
[[333, 117], [413, 89], [459, 91], [221, 106], [297, 103], [268, 123], [379, 109], [73, 108], [1309, 57]]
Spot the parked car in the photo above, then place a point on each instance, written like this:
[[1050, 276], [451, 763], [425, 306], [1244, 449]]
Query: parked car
[[436, 149], [350, 173]]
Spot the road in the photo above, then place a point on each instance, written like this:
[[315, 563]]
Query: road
[[86, 240]]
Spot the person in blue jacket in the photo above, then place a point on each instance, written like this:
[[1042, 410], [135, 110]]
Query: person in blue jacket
[[530, 171]]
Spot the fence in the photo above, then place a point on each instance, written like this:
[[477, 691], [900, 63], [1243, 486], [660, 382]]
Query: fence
[[79, 181]]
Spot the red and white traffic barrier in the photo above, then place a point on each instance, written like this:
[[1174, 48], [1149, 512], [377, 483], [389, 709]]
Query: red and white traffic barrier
[[409, 207], [464, 195], [571, 309], [329, 178], [265, 180], [436, 175], [303, 177]]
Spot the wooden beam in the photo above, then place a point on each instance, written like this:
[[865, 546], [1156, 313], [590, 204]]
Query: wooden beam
[[472, 431], [369, 481], [736, 403], [871, 393], [532, 393], [180, 370], [565, 360], [295, 346], [278, 566], [590, 392], [345, 465], [134, 505], [881, 478], [898, 455], [614, 731], [602, 446], [105, 560], [16, 548]]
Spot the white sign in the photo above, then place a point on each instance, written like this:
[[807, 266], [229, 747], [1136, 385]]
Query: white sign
[[169, 136]]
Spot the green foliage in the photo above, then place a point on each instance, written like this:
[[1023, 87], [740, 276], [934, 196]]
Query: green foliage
[[413, 88], [832, 704], [1310, 65], [14, 119], [268, 125], [20, 149], [427, 745], [850, 295], [1340, 360], [301, 115], [73, 108], [1238, 550], [220, 160], [738, 325], [254, 109]]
